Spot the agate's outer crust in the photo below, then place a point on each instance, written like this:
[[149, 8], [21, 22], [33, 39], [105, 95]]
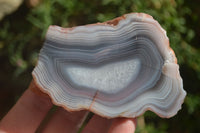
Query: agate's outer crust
[[70, 55]]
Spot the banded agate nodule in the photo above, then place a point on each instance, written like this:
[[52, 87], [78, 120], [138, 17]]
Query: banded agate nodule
[[119, 68]]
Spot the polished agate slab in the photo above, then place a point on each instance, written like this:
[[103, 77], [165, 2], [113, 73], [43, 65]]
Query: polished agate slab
[[119, 68]]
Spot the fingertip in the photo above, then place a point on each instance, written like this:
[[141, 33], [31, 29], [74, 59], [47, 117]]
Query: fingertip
[[64, 121], [26, 115], [98, 124], [123, 125]]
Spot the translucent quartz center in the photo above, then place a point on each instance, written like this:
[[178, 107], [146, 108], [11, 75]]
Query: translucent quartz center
[[109, 78]]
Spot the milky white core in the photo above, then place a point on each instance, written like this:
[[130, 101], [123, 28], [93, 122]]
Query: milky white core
[[109, 78]]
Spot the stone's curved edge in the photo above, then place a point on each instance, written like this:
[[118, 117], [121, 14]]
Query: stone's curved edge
[[114, 22], [171, 70]]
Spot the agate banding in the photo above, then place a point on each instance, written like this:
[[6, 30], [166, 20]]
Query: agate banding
[[119, 68]]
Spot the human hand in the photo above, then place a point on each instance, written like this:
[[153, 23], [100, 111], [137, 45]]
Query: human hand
[[30, 110]]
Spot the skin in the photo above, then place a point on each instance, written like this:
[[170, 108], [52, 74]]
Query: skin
[[30, 110]]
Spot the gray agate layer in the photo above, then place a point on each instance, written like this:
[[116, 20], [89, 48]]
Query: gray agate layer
[[119, 68]]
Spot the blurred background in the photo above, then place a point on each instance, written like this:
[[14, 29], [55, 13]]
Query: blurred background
[[23, 25]]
